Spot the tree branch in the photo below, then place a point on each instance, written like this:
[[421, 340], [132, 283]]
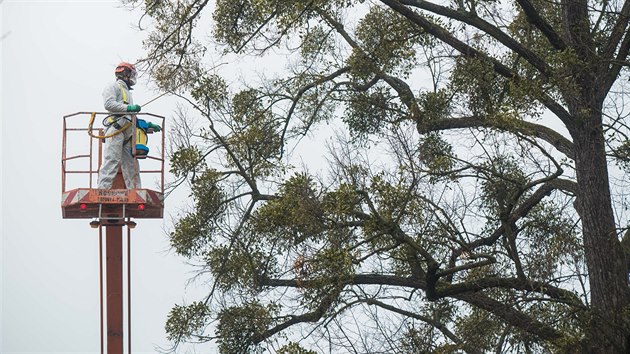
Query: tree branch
[[404, 91], [468, 51], [522, 210], [486, 27], [555, 293], [511, 315], [434, 323], [549, 135], [472, 296], [307, 87], [533, 17], [624, 48], [617, 33], [312, 316]]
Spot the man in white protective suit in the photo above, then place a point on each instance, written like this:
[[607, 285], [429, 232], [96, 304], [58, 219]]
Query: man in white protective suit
[[118, 147]]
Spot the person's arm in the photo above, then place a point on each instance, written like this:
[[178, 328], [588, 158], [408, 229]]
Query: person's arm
[[111, 101], [156, 128]]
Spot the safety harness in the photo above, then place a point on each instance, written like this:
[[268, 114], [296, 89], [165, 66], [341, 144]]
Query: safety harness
[[142, 150], [111, 120]]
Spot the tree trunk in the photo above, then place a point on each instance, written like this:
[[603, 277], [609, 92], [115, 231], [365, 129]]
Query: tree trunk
[[608, 331]]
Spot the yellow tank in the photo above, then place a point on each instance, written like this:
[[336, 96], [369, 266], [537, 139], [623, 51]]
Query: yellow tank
[[142, 139]]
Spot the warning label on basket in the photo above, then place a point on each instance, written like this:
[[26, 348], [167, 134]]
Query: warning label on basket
[[112, 196]]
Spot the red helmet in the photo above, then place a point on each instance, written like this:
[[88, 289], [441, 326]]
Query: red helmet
[[123, 66], [127, 72]]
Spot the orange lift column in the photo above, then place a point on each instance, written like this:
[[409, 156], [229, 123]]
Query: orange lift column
[[114, 271], [114, 279]]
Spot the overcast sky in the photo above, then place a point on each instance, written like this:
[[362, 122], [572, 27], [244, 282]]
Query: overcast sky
[[56, 58]]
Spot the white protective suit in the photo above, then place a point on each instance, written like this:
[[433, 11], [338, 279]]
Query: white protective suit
[[117, 149]]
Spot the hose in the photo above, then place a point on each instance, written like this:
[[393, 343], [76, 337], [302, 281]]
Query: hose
[[107, 135]]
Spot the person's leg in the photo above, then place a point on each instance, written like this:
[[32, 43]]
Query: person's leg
[[130, 167], [112, 151]]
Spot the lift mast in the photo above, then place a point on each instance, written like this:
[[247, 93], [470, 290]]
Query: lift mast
[[112, 210]]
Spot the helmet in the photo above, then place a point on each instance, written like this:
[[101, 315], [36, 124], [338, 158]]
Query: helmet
[[126, 71], [123, 66]]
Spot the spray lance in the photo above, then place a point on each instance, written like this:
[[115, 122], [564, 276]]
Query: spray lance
[[154, 98]]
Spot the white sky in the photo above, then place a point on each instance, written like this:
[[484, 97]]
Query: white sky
[[56, 58]]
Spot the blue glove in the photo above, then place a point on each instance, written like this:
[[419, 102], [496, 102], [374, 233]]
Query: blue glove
[[155, 127], [133, 108]]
